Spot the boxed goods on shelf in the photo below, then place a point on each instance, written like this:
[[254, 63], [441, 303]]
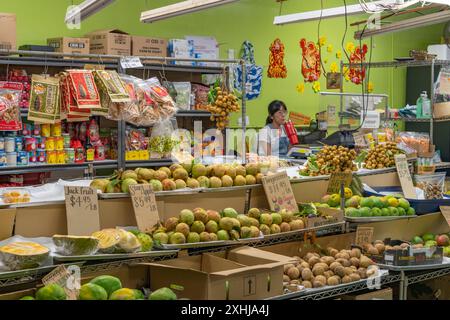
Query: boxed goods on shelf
[[112, 41], [148, 46], [181, 49], [70, 45]]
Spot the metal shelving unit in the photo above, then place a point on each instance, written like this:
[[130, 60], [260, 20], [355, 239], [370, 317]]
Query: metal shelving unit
[[402, 64], [104, 164], [62, 60]]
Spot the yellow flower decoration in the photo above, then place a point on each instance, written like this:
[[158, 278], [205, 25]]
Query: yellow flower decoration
[[322, 41], [330, 48], [339, 54], [350, 47], [370, 87], [316, 86], [300, 87], [334, 67]]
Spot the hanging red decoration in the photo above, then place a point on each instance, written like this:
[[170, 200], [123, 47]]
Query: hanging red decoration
[[358, 74], [310, 60], [277, 68]]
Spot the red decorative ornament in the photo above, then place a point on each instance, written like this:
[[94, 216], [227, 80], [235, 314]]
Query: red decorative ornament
[[277, 68], [358, 74], [310, 61]]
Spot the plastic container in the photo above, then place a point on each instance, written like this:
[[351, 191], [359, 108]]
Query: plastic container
[[433, 185], [52, 157], [10, 144], [32, 157], [50, 144], [59, 143], [60, 157], [40, 156], [421, 206], [45, 130], [66, 138], [70, 155], [11, 158], [56, 129], [30, 144]]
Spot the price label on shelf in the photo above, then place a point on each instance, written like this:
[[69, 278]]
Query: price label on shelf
[[445, 210], [81, 210], [364, 235], [405, 176], [371, 120], [145, 207], [279, 192], [338, 178], [130, 62]]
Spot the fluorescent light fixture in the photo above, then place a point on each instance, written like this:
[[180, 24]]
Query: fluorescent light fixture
[[422, 21], [85, 9], [180, 8], [373, 6]]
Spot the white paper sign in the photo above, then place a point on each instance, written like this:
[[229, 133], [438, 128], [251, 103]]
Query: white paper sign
[[130, 62], [371, 120]]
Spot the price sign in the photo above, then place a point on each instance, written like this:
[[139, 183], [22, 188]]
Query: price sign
[[82, 210], [371, 120], [67, 278], [363, 235], [445, 210], [359, 140], [405, 176], [130, 62], [145, 208], [279, 192], [336, 179]]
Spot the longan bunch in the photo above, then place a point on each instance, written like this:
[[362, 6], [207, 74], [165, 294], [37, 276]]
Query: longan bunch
[[382, 156], [224, 104], [331, 159]]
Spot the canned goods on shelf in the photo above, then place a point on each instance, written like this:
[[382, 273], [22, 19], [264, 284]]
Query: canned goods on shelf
[[59, 143], [10, 144], [36, 130], [19, 144], [32, 157], [45, 130], [22, 158], [40, 142], [3, 159], [66, 138], [11, 158], [40, 156], [50, 144], [2, 144], [56, 129], [30, 144], [51, 157], [60, 157], [70, 155]]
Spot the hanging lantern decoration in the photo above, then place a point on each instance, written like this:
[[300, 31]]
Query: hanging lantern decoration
[[356, 73], [310, 60], [277, 68]]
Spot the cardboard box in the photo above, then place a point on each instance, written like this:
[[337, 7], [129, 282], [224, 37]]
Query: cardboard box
[[112, 41], [70, 45], [7, 218], [208, 277], [17, 295], [383, 294], [8, 37], [149, 47]]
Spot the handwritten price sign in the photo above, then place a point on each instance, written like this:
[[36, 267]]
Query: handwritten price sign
[[279, 192], [82, 210], [405, 176], [145, 208]]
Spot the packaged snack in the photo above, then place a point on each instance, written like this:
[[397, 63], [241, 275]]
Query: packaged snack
[[433, 185], [159, 94], [84, 89], [110, 82], [415, 140], [200, 92], [44, 100], [10, 95]]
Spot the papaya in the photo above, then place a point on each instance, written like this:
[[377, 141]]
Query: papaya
[[51, 292], [91, 291], [163, 294], [27, 298], [109, 283], [123, 294], [138, 294]]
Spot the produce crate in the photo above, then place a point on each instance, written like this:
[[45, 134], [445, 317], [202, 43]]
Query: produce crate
[[409, 257], [421, 206]]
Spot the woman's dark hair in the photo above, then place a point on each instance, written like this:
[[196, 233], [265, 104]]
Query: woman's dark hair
[[274, 107]]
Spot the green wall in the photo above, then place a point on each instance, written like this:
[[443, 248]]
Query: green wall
[[231, 25]]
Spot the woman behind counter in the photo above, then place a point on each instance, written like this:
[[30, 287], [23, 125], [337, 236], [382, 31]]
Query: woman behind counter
[[272, 138]]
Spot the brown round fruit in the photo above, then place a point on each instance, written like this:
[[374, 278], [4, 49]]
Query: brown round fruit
[[305, 265], [287, 267], [362, 273], [340, 271], [293, 273], [355, 277], [286, 278], [354, 261], [344, 262], [317, 284], [313, 260], [307, 274], [307, 284], [328, 274], [318, 270], [334, 265], [333, 281], [348, 271], [321, 278], [356, 253], [346, 279]]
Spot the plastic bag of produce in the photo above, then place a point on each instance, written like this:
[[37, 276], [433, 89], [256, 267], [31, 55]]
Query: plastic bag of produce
[[162, 142], [165, 103], [433, 185], [182, 95], [10, 95], [415, 140]]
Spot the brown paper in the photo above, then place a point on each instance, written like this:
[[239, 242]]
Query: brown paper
[[82, 210], [279, 192], [364, 235], [144, 205], [334, 185], [445, 210]]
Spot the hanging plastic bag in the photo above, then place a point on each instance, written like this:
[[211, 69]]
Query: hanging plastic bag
[[254, 73], [162, 143]]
